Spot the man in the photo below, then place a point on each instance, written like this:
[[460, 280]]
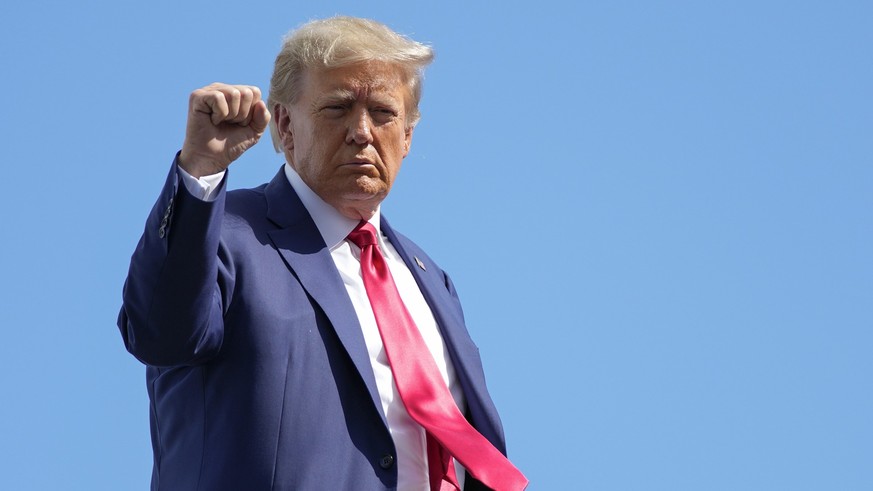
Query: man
[[289, 343]]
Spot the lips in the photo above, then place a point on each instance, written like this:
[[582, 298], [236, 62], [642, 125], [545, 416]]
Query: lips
[[361, 161], [362, 166]]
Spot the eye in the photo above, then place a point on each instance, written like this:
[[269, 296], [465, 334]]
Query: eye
[[333, 110], [383, 114]]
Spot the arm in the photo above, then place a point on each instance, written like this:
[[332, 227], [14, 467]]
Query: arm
[[172, 301], [172, 310]]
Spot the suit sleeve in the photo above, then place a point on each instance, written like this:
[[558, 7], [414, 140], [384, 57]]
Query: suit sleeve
[[172, 303]]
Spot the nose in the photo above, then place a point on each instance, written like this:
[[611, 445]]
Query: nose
[[359, 128]]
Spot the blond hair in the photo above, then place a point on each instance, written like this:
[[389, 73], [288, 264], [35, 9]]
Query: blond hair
[[340, 41]]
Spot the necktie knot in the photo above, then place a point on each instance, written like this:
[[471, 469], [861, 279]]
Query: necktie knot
[[364, 234]]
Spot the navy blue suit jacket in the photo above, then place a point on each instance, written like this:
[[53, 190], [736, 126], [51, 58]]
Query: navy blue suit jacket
[[257, 371]]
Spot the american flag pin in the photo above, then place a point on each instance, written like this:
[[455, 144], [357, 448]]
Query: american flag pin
[[419, 263]]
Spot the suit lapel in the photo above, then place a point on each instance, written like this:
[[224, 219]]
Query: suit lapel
[[298, 241]]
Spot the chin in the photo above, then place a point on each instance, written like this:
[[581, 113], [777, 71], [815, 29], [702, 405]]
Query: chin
[[368, 188]]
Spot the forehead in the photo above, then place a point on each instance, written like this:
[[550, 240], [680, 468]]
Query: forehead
[[361, 79]]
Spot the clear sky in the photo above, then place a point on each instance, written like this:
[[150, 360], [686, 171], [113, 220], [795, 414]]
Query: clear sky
[[657, 214]]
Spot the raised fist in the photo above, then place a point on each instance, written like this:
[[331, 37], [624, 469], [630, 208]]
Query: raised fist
[[223, 122]]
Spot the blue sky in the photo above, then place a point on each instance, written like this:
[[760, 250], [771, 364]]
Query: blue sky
[[657, 214]]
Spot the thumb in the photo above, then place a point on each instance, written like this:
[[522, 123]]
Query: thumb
[[260, 117]]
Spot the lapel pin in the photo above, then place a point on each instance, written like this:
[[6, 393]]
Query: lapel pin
[[419, 263]]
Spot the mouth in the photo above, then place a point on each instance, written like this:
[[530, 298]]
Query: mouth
[[360, 163]]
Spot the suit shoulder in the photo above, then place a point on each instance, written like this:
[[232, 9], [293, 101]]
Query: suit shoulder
[[245, 202], [245, 209], [247, 196]]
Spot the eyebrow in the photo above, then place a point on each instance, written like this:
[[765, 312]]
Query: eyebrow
[[341, 95], [349, 96]]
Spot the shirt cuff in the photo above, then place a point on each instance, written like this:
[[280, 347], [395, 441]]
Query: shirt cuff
[[205, 188]]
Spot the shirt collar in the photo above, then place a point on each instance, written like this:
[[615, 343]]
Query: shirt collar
[[333, 225]]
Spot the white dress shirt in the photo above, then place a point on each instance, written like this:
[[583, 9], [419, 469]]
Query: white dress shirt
[[409, 437]]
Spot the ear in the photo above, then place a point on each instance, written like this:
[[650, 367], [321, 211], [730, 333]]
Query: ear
[[407, 141], [283, 126]]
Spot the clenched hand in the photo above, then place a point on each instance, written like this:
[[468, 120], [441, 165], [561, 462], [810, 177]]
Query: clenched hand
[[223, 122]]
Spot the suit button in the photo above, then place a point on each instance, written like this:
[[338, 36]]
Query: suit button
[[386, 461]]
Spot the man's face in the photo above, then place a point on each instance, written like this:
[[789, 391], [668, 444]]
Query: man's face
[[346, 134]]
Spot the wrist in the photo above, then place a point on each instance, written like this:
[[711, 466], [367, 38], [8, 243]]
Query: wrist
[[198, 167]]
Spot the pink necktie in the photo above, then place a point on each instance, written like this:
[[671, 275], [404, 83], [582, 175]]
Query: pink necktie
[[421, 387]]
